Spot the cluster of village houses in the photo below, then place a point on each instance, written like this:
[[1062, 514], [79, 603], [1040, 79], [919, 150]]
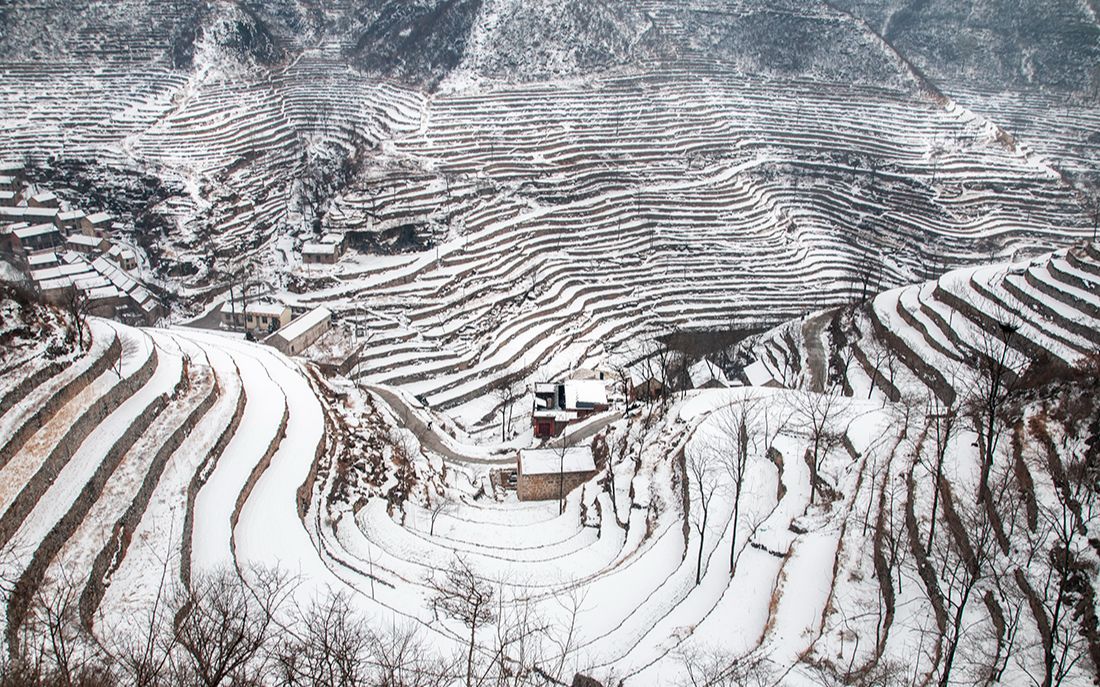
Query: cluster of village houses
[[65, 252]]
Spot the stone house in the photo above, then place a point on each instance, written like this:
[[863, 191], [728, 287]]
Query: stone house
[[97, 224], [43, 200], [89, 245], [35, 238], [543, 474]]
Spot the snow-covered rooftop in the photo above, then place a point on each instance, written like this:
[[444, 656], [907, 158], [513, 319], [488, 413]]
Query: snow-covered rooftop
[[585, 392], [704, 372], [304, 323], [758, 374], [270, 309], [319, 249], [82, 240], [40, 260], [562, 415], [547, 461], [36, 230]]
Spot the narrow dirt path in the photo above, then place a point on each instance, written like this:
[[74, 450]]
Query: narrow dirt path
[[815, 351], [411, 418]]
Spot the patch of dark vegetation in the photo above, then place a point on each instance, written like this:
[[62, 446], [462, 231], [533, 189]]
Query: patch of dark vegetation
[[111, 31], [407, 238], [251, 39], [131, 196], [184, 35], [705, 342], [1052, 44], [414, 42]]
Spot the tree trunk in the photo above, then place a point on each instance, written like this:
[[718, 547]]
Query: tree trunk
[[736, 513]]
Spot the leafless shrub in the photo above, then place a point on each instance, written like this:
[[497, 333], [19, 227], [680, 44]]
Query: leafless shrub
[[461, 595], [222, 625], [327, 646], [712, 667]]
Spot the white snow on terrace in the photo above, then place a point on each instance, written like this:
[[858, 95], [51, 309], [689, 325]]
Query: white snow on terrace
[[546, 461]]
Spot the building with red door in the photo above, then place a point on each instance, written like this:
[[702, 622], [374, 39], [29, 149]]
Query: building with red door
[[558, 404]]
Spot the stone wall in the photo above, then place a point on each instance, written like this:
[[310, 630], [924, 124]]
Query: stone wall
[[67, 445], [198, 480], [548, 487], [57, 400], [111, 555]]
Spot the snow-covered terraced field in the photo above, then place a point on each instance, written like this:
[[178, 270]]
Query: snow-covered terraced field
[[171, 454], [560, 220], [928, 337], [194, 455]]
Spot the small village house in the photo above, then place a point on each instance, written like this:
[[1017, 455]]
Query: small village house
[[88, 245], [8, 199], [642, 386], [557, 404], [757, 373], [258, 318], [43, 200], [69, 219], [301, 332], [42, 261], [28, 215], [96, 224], [123, 257], [320, 254], [327, 251], [707, 375], [549, 473], [35, 238]]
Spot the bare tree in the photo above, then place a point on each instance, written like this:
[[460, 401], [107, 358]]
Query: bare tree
[[965, 560], [997, 366], [703, 471], [737, 435], [223, 625], [53, 647], [460, 594], [143, 647], [328, 647], [942, 422], [1064, 524], [817, 412], [399, 657], [507, 393], [561, 449], [76, 306], [713, 667], [884, 361], [437, 506]]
